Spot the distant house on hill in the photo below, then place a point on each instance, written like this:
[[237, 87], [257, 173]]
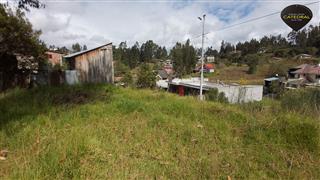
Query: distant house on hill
[[304, 56], [210, 59], [304, 74], [310, 73], [91, 66], [207, 68], [165, 74], [162, 75], [54, 58]]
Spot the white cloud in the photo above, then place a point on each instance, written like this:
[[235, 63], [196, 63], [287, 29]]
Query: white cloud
[[92, 23]]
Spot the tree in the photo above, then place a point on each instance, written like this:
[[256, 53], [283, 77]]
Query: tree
[[146, 77], [225, 49], [252, 61], [211, 52], [84, 47], [63, 50], [184, 58], [164, 52], [148, 51], [301, 38], [27, 4], [76, 47], [134, 55], [18, 37], [161, 53]]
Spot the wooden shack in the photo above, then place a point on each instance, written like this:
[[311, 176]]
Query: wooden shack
[[91, 66]]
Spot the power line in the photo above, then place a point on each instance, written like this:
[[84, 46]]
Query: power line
[[250, 20]]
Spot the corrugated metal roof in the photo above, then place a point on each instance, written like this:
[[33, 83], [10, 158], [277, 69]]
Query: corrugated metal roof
[[308, 69], [83, 52], [301, 66], [272, 79], [163, 73]]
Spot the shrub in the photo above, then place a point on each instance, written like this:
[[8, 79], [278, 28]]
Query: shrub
[[222, 98], [252, 61], [127, 79], [214, 95], [146, 77], [120, 69], [277, 68], [281, 53], [252, 107]]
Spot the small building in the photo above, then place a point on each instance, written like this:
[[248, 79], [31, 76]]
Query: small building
[[304, 56], [233, 92], [207, 68], [54, 58], [210, 59], [309, 73], [291, 71], [162, 75], [91, 66], [272, 83]]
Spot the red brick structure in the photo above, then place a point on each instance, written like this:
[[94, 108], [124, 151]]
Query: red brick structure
[[54, 58]]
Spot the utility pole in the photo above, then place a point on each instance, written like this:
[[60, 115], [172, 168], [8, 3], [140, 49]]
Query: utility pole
[[202, 55]]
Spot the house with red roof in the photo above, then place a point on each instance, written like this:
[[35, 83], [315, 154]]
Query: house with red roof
[[207, 68]]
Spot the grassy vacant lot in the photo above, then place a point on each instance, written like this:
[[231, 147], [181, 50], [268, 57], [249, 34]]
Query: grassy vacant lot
[[98, 132]]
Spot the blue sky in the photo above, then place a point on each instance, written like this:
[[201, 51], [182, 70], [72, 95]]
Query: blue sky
[[223, 9], [64, 22]]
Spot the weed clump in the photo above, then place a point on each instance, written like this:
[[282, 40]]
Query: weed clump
[[216, 96], [302, 100]]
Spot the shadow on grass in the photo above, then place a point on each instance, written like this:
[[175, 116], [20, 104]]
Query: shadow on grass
[[25, 105]]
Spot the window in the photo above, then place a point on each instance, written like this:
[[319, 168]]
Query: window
[[49, 56]]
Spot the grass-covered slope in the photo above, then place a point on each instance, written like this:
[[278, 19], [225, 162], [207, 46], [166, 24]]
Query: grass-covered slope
[[99, 132]]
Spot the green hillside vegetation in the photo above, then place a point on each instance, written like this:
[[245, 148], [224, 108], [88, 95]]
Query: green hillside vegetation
[[99, 132], [267, 66]]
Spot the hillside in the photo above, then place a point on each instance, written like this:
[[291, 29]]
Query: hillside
[[99, 132]]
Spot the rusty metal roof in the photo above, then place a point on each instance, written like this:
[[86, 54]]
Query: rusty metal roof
[[83, 52], [308, 69]]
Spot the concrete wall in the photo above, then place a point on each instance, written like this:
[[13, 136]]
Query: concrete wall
[[71, 77], [95, 66], [242, 94]]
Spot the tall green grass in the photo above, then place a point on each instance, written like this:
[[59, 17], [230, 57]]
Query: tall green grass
[[104, 132], [302, 101]]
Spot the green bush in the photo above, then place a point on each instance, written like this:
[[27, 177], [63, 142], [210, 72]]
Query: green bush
[[127, 79], [278, 68], [120, 69], [252, 61], [214, 95], [146, 77], [281, 53]]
